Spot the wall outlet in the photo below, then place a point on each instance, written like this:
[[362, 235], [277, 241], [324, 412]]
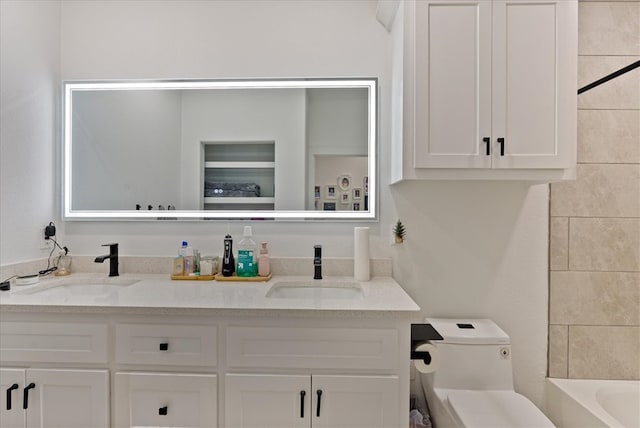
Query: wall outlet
[[45, 244]]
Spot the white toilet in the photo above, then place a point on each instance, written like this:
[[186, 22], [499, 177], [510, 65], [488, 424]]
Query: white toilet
[[473, 387]]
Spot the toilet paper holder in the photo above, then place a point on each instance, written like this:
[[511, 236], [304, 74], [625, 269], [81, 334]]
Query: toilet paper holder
[[422, 333]]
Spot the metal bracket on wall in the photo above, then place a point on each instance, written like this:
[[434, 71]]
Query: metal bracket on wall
[[608, 77]]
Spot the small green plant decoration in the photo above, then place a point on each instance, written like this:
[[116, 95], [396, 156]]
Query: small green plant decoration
[[399, 232]]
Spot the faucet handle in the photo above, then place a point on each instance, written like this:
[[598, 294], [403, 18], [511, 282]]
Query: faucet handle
[[110, 245]]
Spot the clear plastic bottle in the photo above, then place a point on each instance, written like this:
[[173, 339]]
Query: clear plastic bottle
[[247, 250], [264, 264], [188, 257]]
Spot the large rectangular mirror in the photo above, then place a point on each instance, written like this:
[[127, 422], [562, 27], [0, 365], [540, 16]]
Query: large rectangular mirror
[[220, 149]]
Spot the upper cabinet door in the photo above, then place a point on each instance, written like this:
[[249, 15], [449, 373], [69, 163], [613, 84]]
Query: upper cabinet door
[[452, 84], [534, 90]]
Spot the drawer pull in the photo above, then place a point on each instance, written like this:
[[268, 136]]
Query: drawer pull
[[164, 346], [501, 142], [487, 141], [319, 393], [25, 396], [162, 411], [9, 390], [302, 394]]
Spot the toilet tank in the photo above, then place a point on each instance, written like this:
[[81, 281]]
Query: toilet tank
[[474, 354]]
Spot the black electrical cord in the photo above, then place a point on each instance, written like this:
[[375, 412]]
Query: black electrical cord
[[53, 268]]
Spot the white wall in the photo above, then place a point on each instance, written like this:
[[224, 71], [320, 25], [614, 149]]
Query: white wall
[[477, 249], [30, 49], [137, 130], [180, 39]]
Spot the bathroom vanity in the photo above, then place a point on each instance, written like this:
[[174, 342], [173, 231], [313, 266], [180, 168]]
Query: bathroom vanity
[[142, 350]]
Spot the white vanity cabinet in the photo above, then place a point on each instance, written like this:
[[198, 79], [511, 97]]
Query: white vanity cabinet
[[292, 401], [205, 367], [34, 393], [489, 89]]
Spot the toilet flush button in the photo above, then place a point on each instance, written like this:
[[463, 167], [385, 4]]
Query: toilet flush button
[[504, 353]]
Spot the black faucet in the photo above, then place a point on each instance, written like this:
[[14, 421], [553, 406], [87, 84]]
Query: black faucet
[[317, 262], [113, 259]]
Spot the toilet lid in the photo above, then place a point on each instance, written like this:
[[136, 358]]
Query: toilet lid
[[496, 409]]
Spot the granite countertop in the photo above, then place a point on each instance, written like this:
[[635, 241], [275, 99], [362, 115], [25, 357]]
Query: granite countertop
[[155, 293]]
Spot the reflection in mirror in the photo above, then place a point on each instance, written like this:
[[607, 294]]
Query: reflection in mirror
[[300, 149]]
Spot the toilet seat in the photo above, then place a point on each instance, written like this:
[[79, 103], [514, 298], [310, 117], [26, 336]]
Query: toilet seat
[[495, 409]]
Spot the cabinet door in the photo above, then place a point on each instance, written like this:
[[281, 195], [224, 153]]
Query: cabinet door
[[355, 401], [12, 414], [166, 400], [267, 401], [452, 84], [534, 83], [68, 398]]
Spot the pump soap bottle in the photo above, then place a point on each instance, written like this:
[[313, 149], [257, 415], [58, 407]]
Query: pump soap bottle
[[228, 262], [264, 264]]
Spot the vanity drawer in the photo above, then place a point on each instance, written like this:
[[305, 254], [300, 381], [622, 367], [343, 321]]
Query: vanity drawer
[[53, 342], [165, 399], [292, 347], [168, 344]]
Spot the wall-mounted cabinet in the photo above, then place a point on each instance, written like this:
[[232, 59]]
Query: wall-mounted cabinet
[[489, 89], [238, 175]]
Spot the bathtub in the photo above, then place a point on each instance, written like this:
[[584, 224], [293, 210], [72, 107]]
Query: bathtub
[[584, 403]]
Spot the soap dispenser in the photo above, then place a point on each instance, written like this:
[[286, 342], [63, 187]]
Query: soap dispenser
[[228, 261], [264, 264]]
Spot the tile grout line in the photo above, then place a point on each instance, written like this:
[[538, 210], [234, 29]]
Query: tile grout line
[[568, 351]]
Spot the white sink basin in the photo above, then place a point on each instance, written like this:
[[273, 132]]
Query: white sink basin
[[80, 287], [315, 289]]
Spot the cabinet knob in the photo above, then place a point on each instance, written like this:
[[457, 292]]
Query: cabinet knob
[[25, 396], [487, 141], [302, 394], [319, 394], [162, 411], [164, 346], [9, 390], [501, 142]]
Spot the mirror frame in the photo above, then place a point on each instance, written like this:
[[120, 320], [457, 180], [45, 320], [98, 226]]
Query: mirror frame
[[69, 87]]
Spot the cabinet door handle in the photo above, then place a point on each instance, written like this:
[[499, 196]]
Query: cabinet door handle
[[25, 396], [9, 390], [319, 393], [501, 142], [164, 346], [487, 141], [302, 394], [162, 411]]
